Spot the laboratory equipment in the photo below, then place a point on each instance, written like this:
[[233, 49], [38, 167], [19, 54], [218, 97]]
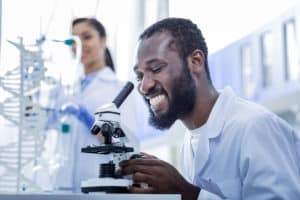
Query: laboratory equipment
[[71, 74], [116, 138], [20, 108], [64, 147], [68, 42], [101, 196], [71, 86]]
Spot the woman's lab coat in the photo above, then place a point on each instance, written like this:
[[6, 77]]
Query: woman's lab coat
[[102, 89], [243, 152]]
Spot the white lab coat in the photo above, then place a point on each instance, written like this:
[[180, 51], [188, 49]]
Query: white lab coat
[[102, 89], [243, 152]]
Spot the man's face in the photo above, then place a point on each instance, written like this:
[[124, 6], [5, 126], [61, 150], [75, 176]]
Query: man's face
[[164, 80]]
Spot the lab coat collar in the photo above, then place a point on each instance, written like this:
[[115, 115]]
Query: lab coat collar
[[106, 74], [219, 113], [213, 129]]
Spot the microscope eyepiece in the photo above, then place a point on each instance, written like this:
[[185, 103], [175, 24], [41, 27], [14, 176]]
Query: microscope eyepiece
[[123, 94]]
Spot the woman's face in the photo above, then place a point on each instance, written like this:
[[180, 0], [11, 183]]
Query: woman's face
[[93, 47]]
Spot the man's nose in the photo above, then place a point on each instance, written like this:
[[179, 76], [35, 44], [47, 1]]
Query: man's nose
[[146, 85]]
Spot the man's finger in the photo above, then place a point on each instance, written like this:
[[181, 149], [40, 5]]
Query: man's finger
[[140, 190], [100, 137], [139, 177], [149, 162], [132, 169]]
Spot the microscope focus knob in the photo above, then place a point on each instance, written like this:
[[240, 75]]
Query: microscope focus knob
[[118, 133], [106, 129], [95, 130]]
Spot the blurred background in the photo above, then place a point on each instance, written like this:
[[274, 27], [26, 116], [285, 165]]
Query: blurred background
[[253, 46]]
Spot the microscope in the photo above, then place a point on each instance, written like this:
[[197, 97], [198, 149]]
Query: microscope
[[116, 137]]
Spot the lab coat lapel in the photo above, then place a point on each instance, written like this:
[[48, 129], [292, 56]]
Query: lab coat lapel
[[202, 155], [104, 75], [214, 126], [187, 156]]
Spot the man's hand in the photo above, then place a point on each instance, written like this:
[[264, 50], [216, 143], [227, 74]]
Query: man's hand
[[160, 176], [100, 137]]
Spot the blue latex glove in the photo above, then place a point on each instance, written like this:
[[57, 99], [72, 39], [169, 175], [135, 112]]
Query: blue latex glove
[[80, 112]]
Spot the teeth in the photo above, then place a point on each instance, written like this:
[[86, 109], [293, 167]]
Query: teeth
[[156, 100]]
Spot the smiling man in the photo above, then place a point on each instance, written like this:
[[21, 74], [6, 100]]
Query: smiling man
[[232, 149], [176, 80]]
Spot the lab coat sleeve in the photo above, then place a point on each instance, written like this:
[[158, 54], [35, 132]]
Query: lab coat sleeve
[[205, 195], [269, 162], [210, 190]]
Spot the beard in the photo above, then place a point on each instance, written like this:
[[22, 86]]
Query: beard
[[184, 96]]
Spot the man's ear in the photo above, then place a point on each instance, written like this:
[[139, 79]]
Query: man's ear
[[196, 61]]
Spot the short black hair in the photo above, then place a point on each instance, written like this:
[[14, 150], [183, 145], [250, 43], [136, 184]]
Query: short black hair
[[188, 37], [102, 33]]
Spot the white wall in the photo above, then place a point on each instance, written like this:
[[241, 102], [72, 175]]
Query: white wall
[[223, 22]]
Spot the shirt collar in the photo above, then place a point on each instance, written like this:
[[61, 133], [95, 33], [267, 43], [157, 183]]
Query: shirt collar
[[219, 113], [213, 128], [90, 76]]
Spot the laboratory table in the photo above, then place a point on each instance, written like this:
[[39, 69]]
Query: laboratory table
[[100, 196]]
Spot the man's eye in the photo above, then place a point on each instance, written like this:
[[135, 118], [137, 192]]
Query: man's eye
[[156, 70]]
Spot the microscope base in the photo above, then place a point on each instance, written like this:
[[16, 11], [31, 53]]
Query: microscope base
[[106, 189], [99, 196], [107, 185]]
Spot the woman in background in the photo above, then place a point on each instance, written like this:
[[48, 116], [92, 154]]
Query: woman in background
[[98, 86]]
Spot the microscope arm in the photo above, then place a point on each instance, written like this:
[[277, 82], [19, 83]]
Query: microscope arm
[[131, 138]]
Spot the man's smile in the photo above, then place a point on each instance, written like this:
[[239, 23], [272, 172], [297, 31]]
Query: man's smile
[[158, 102]]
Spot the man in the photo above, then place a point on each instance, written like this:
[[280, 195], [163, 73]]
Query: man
[[233, 148]]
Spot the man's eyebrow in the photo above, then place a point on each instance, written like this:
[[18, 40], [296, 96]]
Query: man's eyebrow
[[149, 62]]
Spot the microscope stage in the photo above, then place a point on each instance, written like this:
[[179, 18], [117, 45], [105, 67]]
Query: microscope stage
[[106, 149]]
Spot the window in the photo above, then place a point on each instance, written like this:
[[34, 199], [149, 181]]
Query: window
[[247, 71], [266, 49], [291, 53], [155, 10]]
